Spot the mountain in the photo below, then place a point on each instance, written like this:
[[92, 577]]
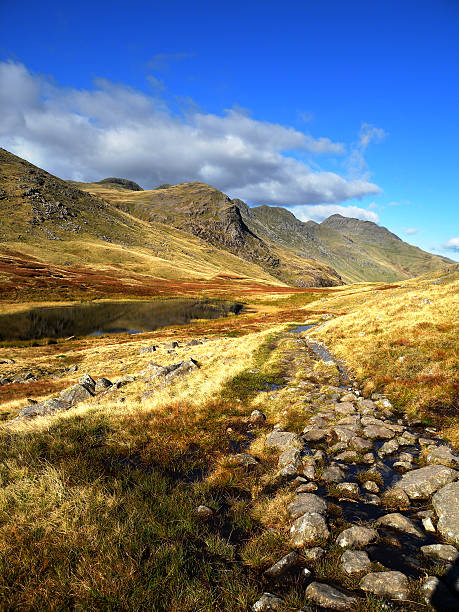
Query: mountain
[[276, 239], [57, 241]]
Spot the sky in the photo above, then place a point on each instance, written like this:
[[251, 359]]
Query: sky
[[332, 107]]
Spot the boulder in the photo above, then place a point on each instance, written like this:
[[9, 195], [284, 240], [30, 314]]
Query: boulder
[[76, 394], [348, 456], [283, 440], [315, 435], [393, 585], [355, 561], [102, 384], [442, 455], [88, 382], [307, 503], [446, 505], [356, 536], [267, 602], [421, 483], [328, 597], [309, 529], [282, 566], [400, 523], [361, 445], [49, 406], [441, 552]]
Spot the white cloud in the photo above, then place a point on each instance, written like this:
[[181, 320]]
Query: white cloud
[[367, 134], [115, 130], [410, 230], [322, 211], [452, 244]]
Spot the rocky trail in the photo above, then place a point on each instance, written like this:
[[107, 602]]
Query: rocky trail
[[374, 508]]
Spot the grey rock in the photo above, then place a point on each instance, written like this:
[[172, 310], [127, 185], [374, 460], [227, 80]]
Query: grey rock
[[428, 525], [283, 440], [194, 342], [309, 529], [147, 349], [315, 435], [342, 434], [361, 444], [357, 536], [308, 487], [310, 472], [368, 458], [257, 417], [333, 474], [291, 456], [45, 408], [76, 394], [204, 512], [328, 597], [88, 382], [171, 345], [312, 555], [388, 448], [400, 523], [102, 384], [307, 503], [378, 432], [344, 408], [348, 490], [446, 505], [348, 457], [441, 552], [393, 585], [442, 455], [421, 483], [348, 397], [282, 566], [437, 595], [355, 561], [183, 367], [403, 466], [371, 486], [267, 602], [243, 460]]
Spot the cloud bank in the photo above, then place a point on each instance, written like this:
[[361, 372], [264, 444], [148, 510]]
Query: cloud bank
[[322, 211], [114, 130], [452, 244]]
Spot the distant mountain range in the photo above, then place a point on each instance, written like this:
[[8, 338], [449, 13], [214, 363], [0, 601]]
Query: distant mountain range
[[181, 232]]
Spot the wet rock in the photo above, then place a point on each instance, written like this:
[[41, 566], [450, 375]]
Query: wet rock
[[243, 460], [307, 503], [442, 455], [333, 474], [101, 385], [378, 432], [437, 595], [393, 585], [315, 435], [441, 552], [309, 529], [421, 483], [312, 555], [400, 523], [204, 513], [328, 597], [267, 602], [446, 505], [257, 417], [283, 440], [76, 394], [309, 487], [282, 566], [357, 536], [355, 561]]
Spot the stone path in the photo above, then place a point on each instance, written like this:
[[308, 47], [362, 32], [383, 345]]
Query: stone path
[[376, 497]]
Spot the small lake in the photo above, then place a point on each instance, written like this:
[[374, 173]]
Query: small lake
[[102, 318]]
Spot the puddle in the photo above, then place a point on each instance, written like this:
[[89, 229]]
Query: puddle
[[301, 328]]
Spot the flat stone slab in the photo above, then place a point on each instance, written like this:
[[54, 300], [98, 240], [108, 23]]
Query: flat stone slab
[[446, 505], [442, 455], [282, 566], [328, 597], [309, 529], [423, 482], [441, 552], [378, 432], [267, 602], [283, 439], [355, 561], [393, 585]]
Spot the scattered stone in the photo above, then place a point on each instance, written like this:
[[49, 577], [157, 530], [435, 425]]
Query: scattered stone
[[355, 561], [243, 460], [204, 513], [102, 384], [357, 536], [395, 498], [348, 457], [400, 523], [393, 585], [312, 555], [333, 474], [194, 342], [348, 397], [378, 432], [257, 417], [282, 566], [361, 445], [348, 490], [147, 349], [388, 448], [267, 602], [446, 505], [338, 447], [315, 435], [441, 552], [342, 434], [76, 394], [171, 345], [344, 408], [403, 466], [291, 456], [437, 595], [368, 458], [371, 486], [327, 596], [283, 440], [429, 527], [309, 529], [421, 483], [309, 487], [307, 503]]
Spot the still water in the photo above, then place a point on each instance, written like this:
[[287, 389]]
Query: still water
[[109, 318]]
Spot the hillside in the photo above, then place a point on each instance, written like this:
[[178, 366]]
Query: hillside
[[274, 237]]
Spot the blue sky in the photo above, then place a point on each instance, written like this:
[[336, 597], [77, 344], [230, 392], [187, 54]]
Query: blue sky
[[347, 107]]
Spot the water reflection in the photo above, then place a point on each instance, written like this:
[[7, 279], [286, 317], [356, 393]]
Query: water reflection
[[109, 318]]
